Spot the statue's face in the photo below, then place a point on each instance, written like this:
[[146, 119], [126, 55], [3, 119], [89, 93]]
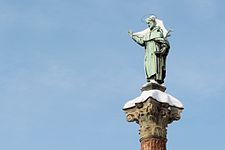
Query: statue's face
[[151, 23]]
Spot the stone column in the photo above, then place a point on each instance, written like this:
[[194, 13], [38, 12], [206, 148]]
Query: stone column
[[153, 118]]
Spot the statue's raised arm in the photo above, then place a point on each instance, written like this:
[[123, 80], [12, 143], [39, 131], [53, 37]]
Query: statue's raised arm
[[154, 39]]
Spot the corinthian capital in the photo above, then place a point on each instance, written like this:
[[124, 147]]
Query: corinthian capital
[[153, 117]]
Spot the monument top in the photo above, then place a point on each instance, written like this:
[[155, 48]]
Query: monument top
[[154, 40]]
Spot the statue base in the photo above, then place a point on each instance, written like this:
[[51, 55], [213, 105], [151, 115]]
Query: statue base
[[153, 86]]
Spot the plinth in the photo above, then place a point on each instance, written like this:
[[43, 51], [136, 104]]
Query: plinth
[[153, 110]]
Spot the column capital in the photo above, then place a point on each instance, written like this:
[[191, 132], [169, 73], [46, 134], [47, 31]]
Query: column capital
[[153, 117]]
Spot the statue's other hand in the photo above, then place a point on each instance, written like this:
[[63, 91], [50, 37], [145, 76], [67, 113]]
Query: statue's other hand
[[130, 33]]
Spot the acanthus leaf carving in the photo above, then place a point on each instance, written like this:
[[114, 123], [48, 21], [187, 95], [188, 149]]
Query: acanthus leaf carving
[[153, 117]]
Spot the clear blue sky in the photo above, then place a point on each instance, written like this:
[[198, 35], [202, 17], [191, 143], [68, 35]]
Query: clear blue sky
[[68, 66]]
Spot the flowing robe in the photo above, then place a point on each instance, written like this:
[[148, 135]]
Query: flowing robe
[[156, 50]]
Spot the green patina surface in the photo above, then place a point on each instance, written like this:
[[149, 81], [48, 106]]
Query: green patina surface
[[156, 50]]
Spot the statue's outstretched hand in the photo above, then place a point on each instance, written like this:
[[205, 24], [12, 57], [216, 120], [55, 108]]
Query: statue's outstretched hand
[[130, 33]]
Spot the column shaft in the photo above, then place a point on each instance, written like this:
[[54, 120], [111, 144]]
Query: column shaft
[[153, 144]]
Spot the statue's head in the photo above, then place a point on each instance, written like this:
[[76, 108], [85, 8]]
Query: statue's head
[[151, 21]]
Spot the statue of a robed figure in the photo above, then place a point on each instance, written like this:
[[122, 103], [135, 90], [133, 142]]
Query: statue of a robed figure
[[154, 40]]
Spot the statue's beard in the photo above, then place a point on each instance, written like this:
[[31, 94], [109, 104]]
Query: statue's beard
[[151, 26]]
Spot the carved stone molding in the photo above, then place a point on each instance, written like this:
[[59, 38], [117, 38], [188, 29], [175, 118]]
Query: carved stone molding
[[153, 118]]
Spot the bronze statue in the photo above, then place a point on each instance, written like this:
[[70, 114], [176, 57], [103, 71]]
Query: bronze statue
[[154, 39]]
